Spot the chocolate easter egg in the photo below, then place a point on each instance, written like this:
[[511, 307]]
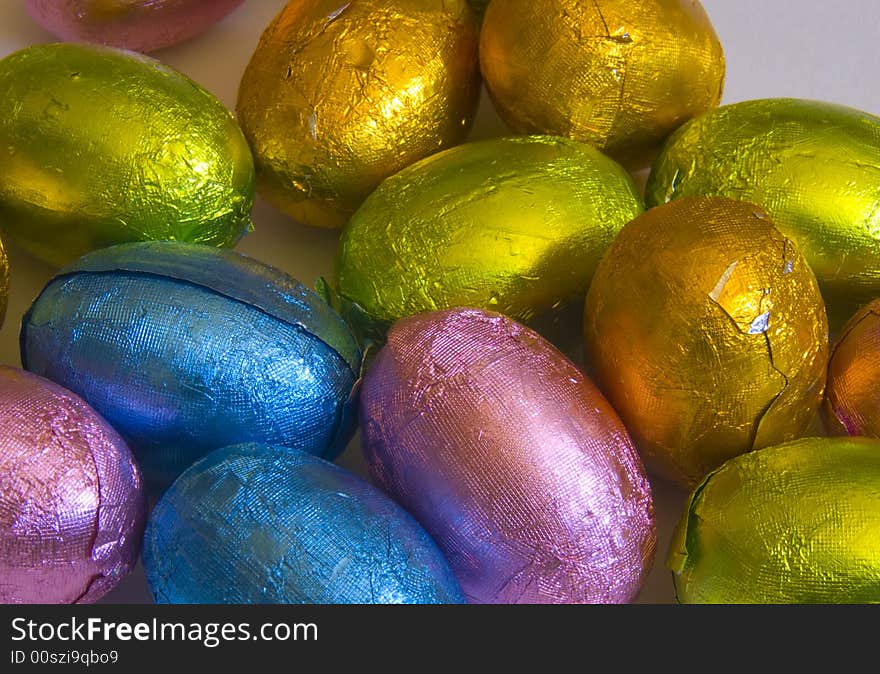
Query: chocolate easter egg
[[72, 504], [515, 225], [340, 95], [814, 167], [100, 146], [186, 348], [852, 395], [617, 74], [792, 524], [4, 282], [510, 458], [141, 25], [707, 332], [259, 524]]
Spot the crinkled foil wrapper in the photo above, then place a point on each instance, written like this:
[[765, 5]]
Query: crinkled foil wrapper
[[510, 458], [707, 333], [141, 25], [515, 225], [72, 504], [186, 348], [258, 524], [792, 524], [4, 282], [618, 74], [339, 95], [100, 146], [852, 395], [814, 167]]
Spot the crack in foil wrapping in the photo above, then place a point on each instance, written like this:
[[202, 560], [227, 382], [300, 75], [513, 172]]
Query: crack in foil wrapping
[[139, 25], [617, 74], [708, 334], [796, 523], [72, 505], [339, 96], [814, 167], [113, 146], [510, 458], [259, 524]]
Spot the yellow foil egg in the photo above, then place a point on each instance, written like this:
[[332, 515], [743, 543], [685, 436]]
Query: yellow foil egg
[[797, 523], [814, 167], [100, 146], [340, 95], [514, 225], [618, 74], [708, 334], [852, 396]]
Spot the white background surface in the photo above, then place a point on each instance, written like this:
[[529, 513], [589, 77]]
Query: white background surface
[[804, 48]]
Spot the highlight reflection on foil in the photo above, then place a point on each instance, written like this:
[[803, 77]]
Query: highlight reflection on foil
[[510, 458], [72, 505], [259, 524]]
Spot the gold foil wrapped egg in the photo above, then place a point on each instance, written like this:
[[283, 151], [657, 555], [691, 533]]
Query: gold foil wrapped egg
[[513, 225], [100, 146], [340, 95], [814, 167], [618, 74], [708, 334], [852, 396], [797, 523]]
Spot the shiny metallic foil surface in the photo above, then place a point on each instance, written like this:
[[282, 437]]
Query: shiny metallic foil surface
[[100, 146], [339, 95], [792, 524], [256, 524], [618, 74], [814, 167], [186, 348], [707, 332], [141, 25], [4, 282], [510, 458], [515, 225], [72, 504], [852, 395]]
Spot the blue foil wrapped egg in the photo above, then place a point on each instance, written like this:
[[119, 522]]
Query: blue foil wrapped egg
[[259, 524], [186, 348]]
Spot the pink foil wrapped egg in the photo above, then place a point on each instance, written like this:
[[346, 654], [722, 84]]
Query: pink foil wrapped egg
[[141, 25], [510, 458], [72, 505]]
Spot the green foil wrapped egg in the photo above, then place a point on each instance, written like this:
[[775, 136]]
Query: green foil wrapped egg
[[514, 225], [814, 167], [100, 146], [795, 523]]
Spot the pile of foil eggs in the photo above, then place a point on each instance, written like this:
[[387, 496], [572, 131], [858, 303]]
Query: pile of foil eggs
[[521, 335]]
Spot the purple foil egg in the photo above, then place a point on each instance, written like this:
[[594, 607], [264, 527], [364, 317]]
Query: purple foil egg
[[141, 25], [72, 505], [510, 458]]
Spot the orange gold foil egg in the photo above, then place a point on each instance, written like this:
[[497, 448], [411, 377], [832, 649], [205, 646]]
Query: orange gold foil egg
[[340, 95], [852, 397], [621, 75], [708, 334]]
